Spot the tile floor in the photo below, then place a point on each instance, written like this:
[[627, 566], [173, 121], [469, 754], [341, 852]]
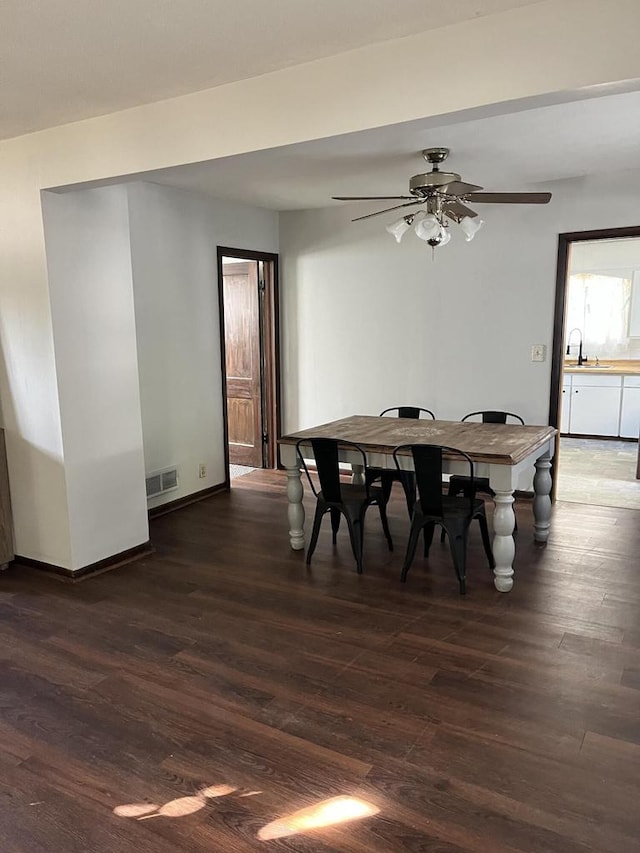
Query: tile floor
[[601, 472], [236, 471]]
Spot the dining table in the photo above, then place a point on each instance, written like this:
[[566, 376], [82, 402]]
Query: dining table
[[501, 452]]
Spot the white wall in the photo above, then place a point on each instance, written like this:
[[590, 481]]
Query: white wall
[[174, 240], [368, 323], [92, 310]]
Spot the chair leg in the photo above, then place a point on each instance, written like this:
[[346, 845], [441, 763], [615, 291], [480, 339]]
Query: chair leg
[[385, 524], [458, 545], [317, 521], [356, 532], [452, 491], [386, 482], [335, 523], [414, 535], [486, 541], [408, 481], [371, 476], [429, 530], [456, 489]]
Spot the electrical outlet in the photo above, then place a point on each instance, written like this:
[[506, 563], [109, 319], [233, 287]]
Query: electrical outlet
[[202, 470], [538, 352]]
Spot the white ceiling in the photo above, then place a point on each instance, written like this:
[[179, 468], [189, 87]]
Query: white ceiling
[[65, 60], [500, 152]]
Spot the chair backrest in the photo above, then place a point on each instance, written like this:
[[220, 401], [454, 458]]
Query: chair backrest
[[492, 417], [409, 412], [325, 453], [427, 464]]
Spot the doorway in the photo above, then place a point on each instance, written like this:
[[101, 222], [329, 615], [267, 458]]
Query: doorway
[[595, 387], [249, 339]]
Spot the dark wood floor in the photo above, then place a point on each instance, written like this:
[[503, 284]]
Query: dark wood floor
[[487, 723]]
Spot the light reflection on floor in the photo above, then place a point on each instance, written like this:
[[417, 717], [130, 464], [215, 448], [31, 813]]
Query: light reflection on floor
[[331, 812], [179, 807], [327, 813]]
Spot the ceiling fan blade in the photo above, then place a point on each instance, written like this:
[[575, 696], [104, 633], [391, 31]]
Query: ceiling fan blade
[[370, 197], [455, 210], [387, 209], [510, 198], [458, 188]]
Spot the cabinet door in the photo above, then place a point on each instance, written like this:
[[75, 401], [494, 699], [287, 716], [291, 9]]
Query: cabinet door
[[565, 406], [630, 419], [595, 411]]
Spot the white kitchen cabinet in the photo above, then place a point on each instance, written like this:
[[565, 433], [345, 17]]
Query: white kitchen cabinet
[[600, 404], [565, 404], [630, 411], [595, 404]]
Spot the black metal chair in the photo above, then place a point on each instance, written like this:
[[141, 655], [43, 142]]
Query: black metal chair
[[432, 507], [340, 498], [458, 484], [389, 476]]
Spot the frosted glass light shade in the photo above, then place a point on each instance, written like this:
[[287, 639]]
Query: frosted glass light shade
[[427, 228], [445, 237], [470, 227], [398, 229]]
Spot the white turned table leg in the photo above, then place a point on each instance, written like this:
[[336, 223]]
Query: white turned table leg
[[542, 499], [357, 474], [296, 509], [504, 548]]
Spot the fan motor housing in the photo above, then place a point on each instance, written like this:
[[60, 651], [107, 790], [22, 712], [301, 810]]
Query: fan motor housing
[[423, 184]]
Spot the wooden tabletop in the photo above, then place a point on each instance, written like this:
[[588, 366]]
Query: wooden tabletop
[[502, 444], [612, 367]]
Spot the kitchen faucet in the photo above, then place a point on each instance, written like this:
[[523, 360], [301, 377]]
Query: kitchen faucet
[[581, 358]]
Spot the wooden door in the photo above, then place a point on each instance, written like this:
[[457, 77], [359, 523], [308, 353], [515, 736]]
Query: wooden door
[[243, 371]]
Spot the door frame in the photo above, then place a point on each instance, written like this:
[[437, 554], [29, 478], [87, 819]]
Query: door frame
[[557, 358], [269, 320]]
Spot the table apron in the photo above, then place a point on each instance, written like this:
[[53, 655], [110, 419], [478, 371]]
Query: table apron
[[502, 477]]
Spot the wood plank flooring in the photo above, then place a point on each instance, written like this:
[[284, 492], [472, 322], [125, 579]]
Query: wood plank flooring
[[481, 723]]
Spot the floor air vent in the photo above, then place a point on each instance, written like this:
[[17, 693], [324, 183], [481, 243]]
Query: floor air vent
[[161, 481]]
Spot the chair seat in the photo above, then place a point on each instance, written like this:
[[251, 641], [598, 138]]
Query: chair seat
[[389, 476], [353, 494], [454, 507], [373, 473], [460, 506], [459, 482]]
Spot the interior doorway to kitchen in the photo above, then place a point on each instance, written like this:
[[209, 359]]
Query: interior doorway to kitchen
[[248, 296], [595, 395]]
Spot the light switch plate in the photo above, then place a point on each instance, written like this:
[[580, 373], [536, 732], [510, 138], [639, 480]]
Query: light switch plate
[[538, 352]]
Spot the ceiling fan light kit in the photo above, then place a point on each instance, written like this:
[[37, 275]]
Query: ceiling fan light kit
[[470, 227], [400, 227], [445, 196]]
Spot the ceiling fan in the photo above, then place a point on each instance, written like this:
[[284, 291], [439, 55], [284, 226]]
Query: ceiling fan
[[445, 196]]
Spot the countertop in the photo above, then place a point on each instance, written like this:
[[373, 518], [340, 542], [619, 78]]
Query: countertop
[[630, 367]]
